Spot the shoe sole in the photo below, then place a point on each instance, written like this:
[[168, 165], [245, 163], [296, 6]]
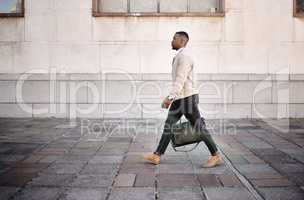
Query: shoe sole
[[152, 162]]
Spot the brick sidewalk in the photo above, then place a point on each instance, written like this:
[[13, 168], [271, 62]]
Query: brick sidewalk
[[58, 159]]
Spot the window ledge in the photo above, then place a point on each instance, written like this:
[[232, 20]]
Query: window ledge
[[11, 14], [300, 15], [114, 14]]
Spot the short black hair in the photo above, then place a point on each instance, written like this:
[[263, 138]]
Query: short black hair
[[183, 33]]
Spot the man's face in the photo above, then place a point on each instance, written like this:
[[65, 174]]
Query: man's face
[[177, 42]]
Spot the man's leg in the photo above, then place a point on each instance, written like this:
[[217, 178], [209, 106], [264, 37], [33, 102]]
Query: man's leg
[[192, 113], [174, 114]]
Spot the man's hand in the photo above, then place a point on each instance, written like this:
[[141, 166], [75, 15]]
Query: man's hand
[[166, 103]]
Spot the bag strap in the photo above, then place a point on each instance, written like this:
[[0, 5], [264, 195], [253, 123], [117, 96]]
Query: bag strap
[[185, 150]]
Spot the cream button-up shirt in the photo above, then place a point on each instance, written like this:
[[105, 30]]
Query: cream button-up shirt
[[183, 79]]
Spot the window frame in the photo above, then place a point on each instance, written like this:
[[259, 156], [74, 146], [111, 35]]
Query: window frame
[[19, 14], [295, 13], [97, 13]]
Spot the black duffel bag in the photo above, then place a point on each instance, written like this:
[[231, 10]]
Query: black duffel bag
[[183, 134]]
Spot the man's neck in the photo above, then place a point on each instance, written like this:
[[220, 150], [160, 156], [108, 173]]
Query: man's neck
[[178, 50]]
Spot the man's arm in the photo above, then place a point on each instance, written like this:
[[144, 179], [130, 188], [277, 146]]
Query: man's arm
[[184, 64]]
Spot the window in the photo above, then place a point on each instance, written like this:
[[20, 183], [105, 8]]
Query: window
[[158, 8], [298, 8], [11, 8]]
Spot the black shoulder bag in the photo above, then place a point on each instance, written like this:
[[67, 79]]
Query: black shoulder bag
[[183, 134]]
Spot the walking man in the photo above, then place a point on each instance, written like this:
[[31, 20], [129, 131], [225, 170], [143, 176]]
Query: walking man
[[183, 100]]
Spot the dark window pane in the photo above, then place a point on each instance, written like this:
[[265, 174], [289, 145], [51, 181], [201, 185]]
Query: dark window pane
[[300, 6], [143, 6], [158, 6], [10, 6], [113, 6], [173, 6], [204, 5]]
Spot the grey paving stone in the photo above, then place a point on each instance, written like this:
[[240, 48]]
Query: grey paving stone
[[134, 158], [286, 193], [62, 144], [126, 140], [230, 180], [52, 180], [89, 144], [224, 193], [38, 193], [252, 159], [11, 157], [100, 169], [282, 182], [4, 167], [7, 192], [49, 158], [73, 159], [16, 179], [176, 169], [63, 168], [111, 151], [297, 178], [180, 193], [92, 181], [221, 169], [269, 151], [23, 149], [175, 159], [255, 168], [290, 168], [117, 145], [256, 175], [176, 180], [33, 168], [137, 168], [278, 158], [257, 145], [85, 194], [124, 180], [106, 159], [130, 193], [209, 180], [145, 180], [83, 151], [53, 151], [32, 159], [4, 150], [238, 159]]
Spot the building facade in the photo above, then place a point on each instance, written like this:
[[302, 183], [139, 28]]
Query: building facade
[[109, 59]]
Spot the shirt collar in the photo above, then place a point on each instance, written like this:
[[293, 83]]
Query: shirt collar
[[179, 50]]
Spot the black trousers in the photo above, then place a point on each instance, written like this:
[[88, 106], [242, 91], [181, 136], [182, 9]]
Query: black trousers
[[189, 107]]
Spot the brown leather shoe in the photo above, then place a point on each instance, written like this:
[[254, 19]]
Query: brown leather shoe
[[213, 161], [152, 158]]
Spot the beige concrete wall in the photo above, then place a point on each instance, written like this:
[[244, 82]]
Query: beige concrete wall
[[255, 36], [139, 96]]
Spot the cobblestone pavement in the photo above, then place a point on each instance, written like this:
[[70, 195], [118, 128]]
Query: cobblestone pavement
[[102, 159]]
